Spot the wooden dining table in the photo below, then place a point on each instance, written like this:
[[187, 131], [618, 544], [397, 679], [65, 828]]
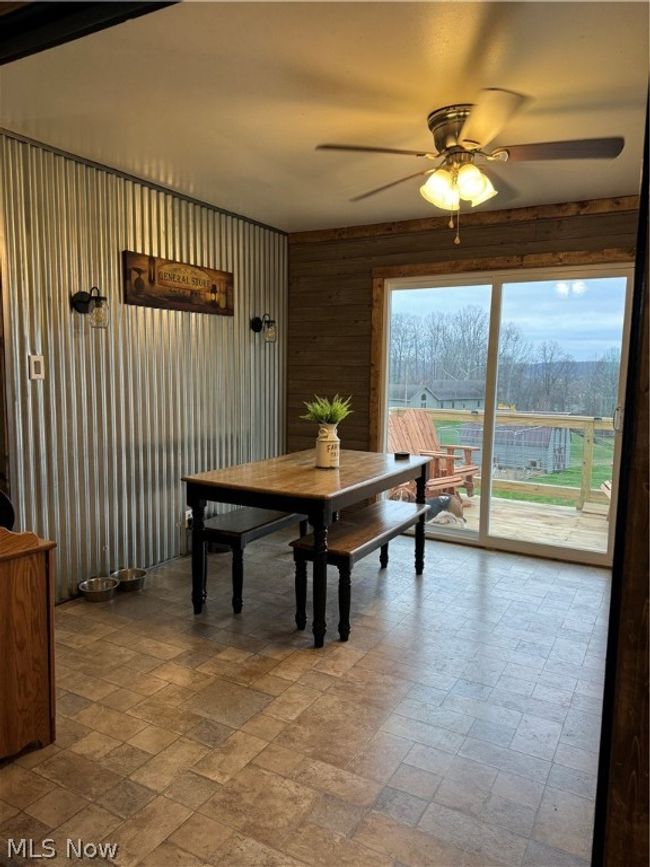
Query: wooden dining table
[[292, 483]]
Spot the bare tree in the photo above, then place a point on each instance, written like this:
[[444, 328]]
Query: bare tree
[[552, 375], [514, 358], [601, 394]]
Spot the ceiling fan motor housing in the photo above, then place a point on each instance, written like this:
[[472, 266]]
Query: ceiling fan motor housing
[[446, 124]]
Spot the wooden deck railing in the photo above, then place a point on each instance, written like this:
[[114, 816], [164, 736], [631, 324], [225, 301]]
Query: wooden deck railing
[[587, 425]]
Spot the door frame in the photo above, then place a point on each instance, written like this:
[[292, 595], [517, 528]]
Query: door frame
[[504, 269]]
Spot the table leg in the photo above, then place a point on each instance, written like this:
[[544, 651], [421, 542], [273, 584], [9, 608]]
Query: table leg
[[199, 559], [319, 626], [421, 482], [237, 579]]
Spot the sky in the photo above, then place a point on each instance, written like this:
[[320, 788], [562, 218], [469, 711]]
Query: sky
[[584, 316]]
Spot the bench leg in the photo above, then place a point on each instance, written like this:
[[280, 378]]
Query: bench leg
[[199, 557], [237, 579], [301, 593], [383, 556], [344, 602], [419, 547]]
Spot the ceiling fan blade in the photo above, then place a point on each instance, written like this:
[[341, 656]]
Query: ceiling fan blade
[[392, 184], [578, 149], [373, 150], [491, 113]]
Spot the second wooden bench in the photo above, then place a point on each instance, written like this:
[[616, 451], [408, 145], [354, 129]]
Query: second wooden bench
[[349, 540], [235, 530]]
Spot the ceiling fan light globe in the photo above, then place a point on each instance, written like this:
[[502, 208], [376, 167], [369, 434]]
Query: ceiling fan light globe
[[440, 183], [441, 191], [446, 200], [488, 193], [471, 181]]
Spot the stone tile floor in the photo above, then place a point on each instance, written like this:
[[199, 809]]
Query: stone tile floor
[[458, 726]]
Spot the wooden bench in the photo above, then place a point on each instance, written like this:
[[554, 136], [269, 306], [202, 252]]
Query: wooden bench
[[235, 530], [349, 540]]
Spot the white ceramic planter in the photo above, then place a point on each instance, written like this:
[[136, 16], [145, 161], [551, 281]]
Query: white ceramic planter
[[327, 447]]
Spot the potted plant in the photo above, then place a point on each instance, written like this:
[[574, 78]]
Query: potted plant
[[328, 413]]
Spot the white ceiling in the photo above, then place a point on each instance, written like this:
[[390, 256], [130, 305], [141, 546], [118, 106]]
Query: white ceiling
[[226, 101]]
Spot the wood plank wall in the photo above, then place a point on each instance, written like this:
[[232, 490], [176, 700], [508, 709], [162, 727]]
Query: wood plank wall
[[331, 280]]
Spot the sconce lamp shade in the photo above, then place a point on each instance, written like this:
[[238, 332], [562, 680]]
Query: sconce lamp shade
[[99, 314]]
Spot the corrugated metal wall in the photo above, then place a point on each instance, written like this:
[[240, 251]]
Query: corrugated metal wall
[[97, 450]]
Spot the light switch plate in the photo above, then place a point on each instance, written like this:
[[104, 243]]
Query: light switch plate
[[36, 367]]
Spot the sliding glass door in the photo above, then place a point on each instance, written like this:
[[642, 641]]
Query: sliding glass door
[[513, 384]]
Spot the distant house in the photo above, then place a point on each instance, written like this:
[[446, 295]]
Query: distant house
[[418, 396], [439, 394]]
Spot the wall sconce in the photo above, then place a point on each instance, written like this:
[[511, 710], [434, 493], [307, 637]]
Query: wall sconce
[[94, 303], [267, 326]]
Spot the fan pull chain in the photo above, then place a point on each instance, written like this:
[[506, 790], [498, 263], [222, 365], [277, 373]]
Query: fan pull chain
[[457, 238]]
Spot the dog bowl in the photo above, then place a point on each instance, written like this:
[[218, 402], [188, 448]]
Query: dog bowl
[[98, 589], [130, 579]]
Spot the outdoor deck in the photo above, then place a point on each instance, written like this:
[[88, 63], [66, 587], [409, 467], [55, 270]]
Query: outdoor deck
[[544, 523]]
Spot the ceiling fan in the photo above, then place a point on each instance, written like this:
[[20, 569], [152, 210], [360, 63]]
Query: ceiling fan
[[461, 136]]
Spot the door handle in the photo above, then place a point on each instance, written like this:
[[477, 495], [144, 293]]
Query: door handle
[[617, 421]]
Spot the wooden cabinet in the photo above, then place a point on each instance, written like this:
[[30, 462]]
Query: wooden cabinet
[[26, 642]]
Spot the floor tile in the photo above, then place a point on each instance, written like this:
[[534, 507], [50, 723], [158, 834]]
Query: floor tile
[[411, 846], [242, 851], [227, 703], [318, 846], [78, 774], [400, 805], [565, 821], [191, 789], [415, 781], [152, 739], [161, 769], [261, 804], [230, 757], [336, 815], [147, 829], [126, 798], [335, 781], [56, 806], [20, 787], [201, 836]]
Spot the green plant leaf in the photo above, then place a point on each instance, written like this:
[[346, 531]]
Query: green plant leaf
[[326, 411]]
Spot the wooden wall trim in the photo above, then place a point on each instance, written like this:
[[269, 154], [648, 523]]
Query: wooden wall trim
[[507, 263], [377, 365], [618, 204], [494, 263]]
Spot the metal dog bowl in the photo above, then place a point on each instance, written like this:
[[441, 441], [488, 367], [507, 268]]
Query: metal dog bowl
[[130, 579], [98, 589]]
